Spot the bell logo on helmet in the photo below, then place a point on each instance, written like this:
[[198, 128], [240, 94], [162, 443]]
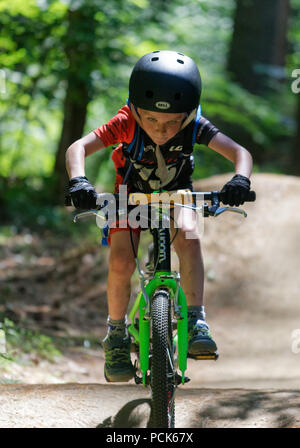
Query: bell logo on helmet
[[162, 105]]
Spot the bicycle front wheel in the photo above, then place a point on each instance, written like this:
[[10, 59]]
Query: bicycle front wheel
[[163, 389]]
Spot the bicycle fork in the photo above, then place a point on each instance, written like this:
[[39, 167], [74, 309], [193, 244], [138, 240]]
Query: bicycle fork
[[165, 281]]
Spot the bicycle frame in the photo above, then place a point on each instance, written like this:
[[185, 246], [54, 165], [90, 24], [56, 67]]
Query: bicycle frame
[[162, 278]]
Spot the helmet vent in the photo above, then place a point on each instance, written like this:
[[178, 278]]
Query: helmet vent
[[180, 61], [155, 59], [149, 94]]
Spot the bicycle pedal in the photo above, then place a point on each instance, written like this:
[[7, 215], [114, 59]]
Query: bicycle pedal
[[203, 356]]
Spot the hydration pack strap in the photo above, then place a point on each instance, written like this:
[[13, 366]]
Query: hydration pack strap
[[197, 120], [197, 117]]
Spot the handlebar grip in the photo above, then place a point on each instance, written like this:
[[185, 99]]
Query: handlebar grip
[[251, 196]]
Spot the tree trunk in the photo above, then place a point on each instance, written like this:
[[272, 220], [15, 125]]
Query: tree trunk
[[258, 47], [80, 52], [75, 110]]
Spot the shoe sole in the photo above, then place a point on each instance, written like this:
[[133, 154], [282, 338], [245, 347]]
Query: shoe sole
[[201, 348], [119, 377]]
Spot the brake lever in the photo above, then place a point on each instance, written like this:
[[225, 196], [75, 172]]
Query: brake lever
[[230, 209], [88, 213]]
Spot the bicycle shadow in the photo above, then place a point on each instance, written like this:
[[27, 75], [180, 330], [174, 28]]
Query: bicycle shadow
[[134, 414], [278, 409]]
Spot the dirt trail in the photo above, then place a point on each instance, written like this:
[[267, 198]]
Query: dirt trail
[[122, 406], [252, 301]]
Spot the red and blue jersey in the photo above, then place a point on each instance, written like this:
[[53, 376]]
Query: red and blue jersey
[[169, 167]]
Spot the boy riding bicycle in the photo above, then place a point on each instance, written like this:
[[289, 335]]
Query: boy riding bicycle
[[156, 132]]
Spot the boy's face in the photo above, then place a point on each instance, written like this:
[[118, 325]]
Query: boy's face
[[161, 126]]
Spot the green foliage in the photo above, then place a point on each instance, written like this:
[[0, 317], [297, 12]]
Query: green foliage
[[209, 163], [26, 206], [255, 117], [35, 212], [98, 42], [21, 340], [42, 46], [293, 56]]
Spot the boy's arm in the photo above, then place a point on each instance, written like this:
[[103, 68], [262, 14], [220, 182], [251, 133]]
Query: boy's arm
[[120, 128], [77, 152], [237, 154], [235, 191], [83, 194]]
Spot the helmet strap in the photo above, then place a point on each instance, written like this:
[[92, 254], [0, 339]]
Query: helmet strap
[[135, 114], [188, 119]]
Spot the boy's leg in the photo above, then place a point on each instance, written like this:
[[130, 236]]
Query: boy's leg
[[192, 281], [118, 365], [120, 269]]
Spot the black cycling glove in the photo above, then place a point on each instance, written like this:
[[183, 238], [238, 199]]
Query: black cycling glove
[[82, 192], [235, 192]]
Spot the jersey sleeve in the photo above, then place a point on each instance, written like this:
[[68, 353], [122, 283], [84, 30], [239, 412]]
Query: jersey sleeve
[[118, 129], [206, 131]]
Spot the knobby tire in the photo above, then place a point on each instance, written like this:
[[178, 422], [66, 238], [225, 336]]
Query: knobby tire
[[163, 406]]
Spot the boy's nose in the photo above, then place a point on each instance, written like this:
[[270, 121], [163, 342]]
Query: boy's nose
[[161, 128]]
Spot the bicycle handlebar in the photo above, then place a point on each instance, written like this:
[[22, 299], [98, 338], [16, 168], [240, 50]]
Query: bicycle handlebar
[[214, 196], [183, 195], [184, 198]]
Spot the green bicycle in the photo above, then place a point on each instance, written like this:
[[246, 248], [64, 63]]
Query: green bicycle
[[158, 318]]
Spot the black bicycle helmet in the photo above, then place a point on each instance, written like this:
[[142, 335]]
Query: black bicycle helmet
[[165, 81]]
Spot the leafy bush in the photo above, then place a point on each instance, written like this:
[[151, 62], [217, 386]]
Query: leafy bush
[[22, 340]]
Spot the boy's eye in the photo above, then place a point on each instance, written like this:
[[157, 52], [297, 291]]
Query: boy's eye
[[171, 122]]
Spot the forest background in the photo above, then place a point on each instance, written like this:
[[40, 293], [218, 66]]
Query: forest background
[[64, 70], [65, 67]]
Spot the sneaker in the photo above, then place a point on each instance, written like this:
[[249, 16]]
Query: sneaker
[[200, 341], [118, 366]]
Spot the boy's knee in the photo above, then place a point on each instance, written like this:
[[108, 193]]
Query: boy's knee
[[122, 263]]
